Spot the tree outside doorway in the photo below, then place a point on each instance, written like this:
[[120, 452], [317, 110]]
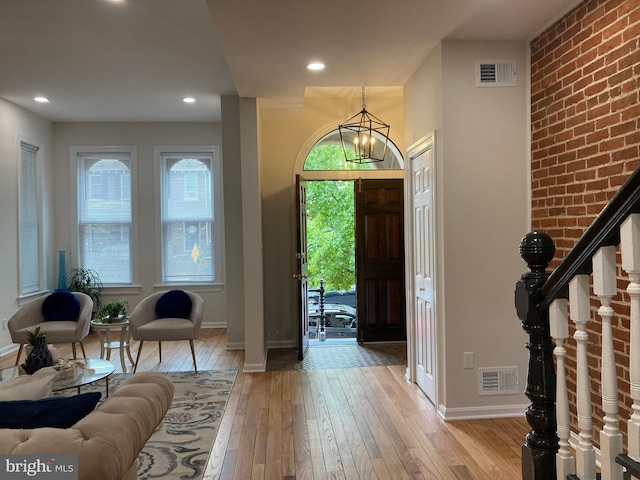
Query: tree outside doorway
[[330, 227], [331, 248], [330, 234]]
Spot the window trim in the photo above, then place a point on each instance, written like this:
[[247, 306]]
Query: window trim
[[132, 151], [39, 159], [218, 214]]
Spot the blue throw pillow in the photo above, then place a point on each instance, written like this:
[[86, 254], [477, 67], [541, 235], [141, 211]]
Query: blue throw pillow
[[61, 305], [56, 412], [174, 304]]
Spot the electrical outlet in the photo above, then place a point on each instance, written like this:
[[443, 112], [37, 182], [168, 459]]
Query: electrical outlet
[[4, 323], [468, 359]]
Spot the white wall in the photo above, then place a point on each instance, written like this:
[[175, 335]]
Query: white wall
[[231, 154], [482, 207], [15, 122], [144, 136], [423, 115], [423, 99], [255, 354]]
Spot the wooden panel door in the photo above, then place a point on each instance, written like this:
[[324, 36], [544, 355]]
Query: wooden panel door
[[302, 276], [380, 285]]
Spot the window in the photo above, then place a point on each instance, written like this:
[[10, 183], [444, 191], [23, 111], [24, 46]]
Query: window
[[29, 211], [327, 154], [190, 215], [105, 217]]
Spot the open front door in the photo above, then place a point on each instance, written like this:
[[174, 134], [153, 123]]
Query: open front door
[[302, 276], [380, 265]]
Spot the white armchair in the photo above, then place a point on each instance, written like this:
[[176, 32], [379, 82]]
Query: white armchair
[[72, 330], [167, 316]]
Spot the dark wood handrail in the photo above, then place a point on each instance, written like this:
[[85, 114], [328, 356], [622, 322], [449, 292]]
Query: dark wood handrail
[[602, 232]]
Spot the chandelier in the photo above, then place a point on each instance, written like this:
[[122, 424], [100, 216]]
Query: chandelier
[[364, 137]]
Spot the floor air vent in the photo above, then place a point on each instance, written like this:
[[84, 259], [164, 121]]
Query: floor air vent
[[498, 381], [496, 73]]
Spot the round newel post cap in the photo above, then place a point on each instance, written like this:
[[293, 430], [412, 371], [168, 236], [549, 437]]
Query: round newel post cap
[[537, 249]]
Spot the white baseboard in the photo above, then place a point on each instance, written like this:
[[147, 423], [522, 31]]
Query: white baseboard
[[8, 349], [282, 344], [256, 367], [213, 325], [474, 413], [234, 346]]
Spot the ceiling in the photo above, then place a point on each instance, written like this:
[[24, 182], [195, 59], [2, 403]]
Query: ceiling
[[135, 60]]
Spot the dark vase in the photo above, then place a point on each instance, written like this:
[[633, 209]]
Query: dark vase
[[39, 357]]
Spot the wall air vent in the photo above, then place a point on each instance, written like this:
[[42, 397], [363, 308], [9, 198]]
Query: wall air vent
[[498, 381], [496, 73]]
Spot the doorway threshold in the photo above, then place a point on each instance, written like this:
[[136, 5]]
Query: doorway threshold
[[333, 342]]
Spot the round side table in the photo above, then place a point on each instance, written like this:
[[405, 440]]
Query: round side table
[[107, 333]]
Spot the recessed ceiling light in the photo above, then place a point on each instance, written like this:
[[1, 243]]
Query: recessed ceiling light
[[41, 99], [188, 100], [316, 66]]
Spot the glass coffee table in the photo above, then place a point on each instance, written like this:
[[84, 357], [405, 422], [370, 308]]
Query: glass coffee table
[[88, 370]]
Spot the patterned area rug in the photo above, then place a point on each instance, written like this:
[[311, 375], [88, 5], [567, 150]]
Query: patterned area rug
[[180, 447]]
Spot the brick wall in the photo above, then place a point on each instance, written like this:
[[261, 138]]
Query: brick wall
[[585, 116]]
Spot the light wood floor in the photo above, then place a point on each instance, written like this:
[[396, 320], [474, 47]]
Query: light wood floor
[[357, 423]]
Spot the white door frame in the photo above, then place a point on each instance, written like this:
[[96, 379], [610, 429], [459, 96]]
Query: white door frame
[[418, 148]]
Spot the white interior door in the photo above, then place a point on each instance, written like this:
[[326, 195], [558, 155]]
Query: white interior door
[[423, 179]]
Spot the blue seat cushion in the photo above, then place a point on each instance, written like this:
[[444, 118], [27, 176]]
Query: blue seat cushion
[[174, 304], [55, 412], [61, 305]]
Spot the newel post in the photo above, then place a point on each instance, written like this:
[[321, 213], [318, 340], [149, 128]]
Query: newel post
[[541, 444]]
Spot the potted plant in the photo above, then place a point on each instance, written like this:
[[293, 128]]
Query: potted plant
[[38, 355], [86, 281], [113, 311], [32, 336], [32, 339]]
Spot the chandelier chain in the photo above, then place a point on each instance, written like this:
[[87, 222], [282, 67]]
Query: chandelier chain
[[364, 105]]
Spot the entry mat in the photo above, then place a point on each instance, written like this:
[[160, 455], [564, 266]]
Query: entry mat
[[338, 356]]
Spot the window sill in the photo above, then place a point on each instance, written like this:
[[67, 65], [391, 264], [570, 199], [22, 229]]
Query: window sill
[[192, 287], [121, 289], [24, 299]]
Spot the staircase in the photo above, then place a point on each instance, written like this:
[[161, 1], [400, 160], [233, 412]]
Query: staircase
[[605, 260]]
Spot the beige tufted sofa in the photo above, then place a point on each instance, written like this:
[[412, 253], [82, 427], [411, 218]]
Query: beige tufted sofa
[[109, 439]]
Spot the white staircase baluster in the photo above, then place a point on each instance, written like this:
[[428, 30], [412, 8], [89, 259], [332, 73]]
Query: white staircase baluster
[[559, 326], [604, 286], [630, 249], [579, 303]]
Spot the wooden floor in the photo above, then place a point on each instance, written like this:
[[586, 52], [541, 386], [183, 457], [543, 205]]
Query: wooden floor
[[357, 423]]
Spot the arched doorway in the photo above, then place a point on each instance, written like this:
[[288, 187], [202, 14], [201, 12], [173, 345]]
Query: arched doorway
[[378, 298]]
